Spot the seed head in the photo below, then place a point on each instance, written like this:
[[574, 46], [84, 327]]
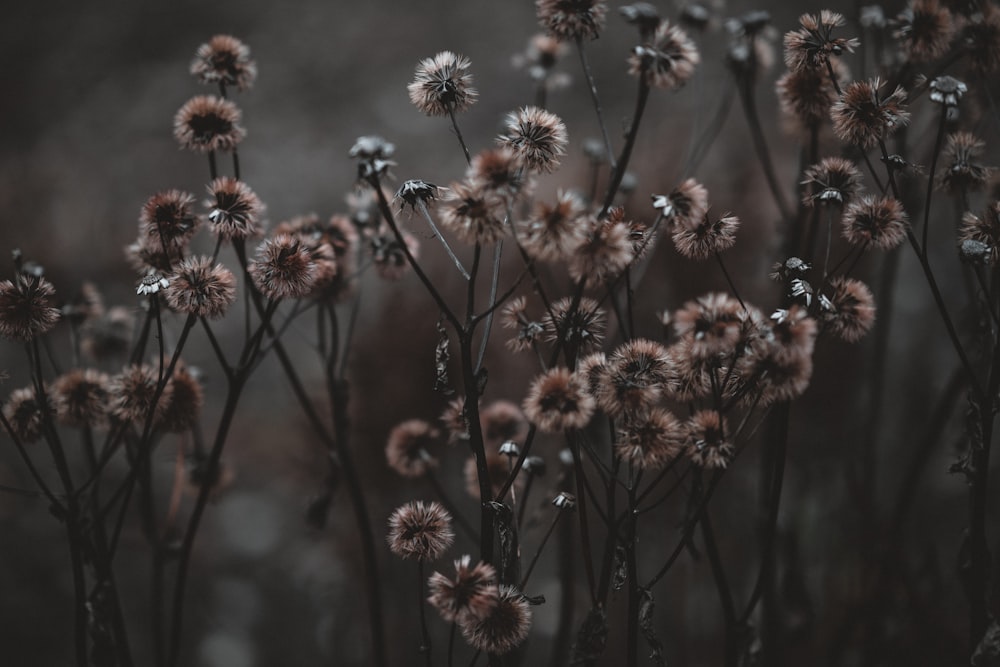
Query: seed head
[[413, 191], [224, 60], [469, 596], [984, 230], [81, 397], [835, 181], [924, 29], [537, 137], [632, 380], [812, 45], [963, 171], [553, 231], [582, 328], [605, 252], [201, 289], [558, 401], [862, 117], [504, 628], [168, 220], [473, 213], [568, 20], [443, 85], [687, 204], [207, 123], [879, 222], [408, 448], [528, 331], [707, 446], [234, 209], [25, 307], [23, 411], [420, 530], [131, 395], [806, 95], [668, 61], [982, 39], [283, 268], [707, 238], [186, 398], [499, 171], [650, 440], [713, 323], [851, 310], [503, 421]]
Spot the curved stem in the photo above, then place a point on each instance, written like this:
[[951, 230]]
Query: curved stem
[[618, 170], [592, 87]]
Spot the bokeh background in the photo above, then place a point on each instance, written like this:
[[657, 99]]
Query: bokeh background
[[90, 93]]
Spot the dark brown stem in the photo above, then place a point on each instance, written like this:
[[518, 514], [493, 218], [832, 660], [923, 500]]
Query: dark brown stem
[[592, 88], [618, 170], [425, 636]]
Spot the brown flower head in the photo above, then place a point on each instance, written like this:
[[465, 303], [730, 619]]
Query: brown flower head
[[985, 230], [924, 29], [633, 378], [25, 307], [284, 268], [147, 255], [207, 123], [982, 39], [504, 628], [806, 95], [201, 289], [473, 213], [812, 45], [224, 60], [537, 137], [168, 220], [23, 411], [420, 530], [668, 61], [713, 323], [540, 58], [408, 448], [834, 180], [963, 171], [606, 251], [851, 311], [691, 374], [778, 365], [443, 85], [107, 335], [81, 397], [708, 237], [591, 369], [234, 209], [499, 171], [706, 440], [468, 597], [528, 331], [332, 244], [557, 401], [389, 256], [650, 440], [879, 222], [132, 392], [568, 20], [686, 205], [503, 421], [862, 117], [581, 328], [554, 230], [186, 397]]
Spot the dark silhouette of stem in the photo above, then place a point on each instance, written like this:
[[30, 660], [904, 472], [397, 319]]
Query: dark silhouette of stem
[[592, 87], [618, 170]]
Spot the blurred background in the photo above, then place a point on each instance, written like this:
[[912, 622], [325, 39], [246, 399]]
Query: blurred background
[[87, 137]]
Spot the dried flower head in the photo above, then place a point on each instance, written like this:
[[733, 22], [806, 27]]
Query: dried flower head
[[604, 253], [706, 440], [415, 191], [503, 421], [569, 20], [947, 91], [963, 172], [528, 331], [500, 171], [553, 231], [151, 283], [984, 230], [183, 410], [540, 58], [224, 60], [504, 628], [834, 180], [407, 450], [207, 123], [581, 327], [132, 393], [687, 204], [879, 222], [23, 411], [473, 213], [651, 439], [851, 311], [420, 530], [201, 289], [707, 238], [982, 39], [443, 85], [283, 268], [632, 379], [812, 45], [168, 219], [389, 256], [713, 323], [806, 95], [234, 209], [863, 117], [25, 307], [536, 136], [468, 597], [924, 29], [668, 61], [557, 401], [81, 397]]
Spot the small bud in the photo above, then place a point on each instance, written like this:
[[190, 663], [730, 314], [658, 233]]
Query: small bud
[[565, 501], [510, 449], [151, 283]]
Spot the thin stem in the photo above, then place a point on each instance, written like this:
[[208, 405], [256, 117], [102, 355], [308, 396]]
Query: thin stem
[[748, 99], [445, 499], [494, 284], [458, 133], [444, 242], [425, 637], [592, 87], [618, 170], [722, 585], [930, 177], [729, 279], [538, 552]]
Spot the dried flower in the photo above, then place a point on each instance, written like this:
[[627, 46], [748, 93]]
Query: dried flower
[[408, 448], [811, 46], [553, 231], [651, 439], [668, 61], [151, 283], [982, 39], [924, 29], [224, 60], [963, 171], [468, 597], [863, 118], [582, 327], [234, 209], [420, 530], [706, 440], [687, 204], [413, 191], [540, 59], [389, 256], [132, 392], [186, 397], [713, 323], [985, 230], [499, 171], [632, 379], [168, 219], [604, 253], [513, 316], [442, 85], [836, 181], [852, 309], [947, 91], [283, 268], [876, 221], [25, 307], [807, 95], [473, 213], [504, 628], [558, 401], [569, 20], [707, 238], [81, 397], [207, 123], [503, 421], [536, 136], [201, 289], [23, 411]]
